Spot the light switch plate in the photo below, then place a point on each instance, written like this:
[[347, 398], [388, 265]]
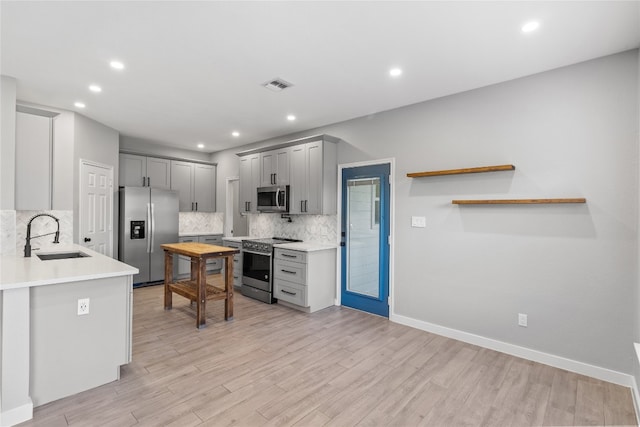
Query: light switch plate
[[418, 221]]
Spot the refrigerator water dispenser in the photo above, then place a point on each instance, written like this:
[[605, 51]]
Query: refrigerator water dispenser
[[137, 230]]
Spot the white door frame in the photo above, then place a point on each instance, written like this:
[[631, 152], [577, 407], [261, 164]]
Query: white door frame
[[392, 228], [229, 205], [109, 168]]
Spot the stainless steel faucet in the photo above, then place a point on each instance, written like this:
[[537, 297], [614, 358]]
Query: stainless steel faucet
[[56, 239]]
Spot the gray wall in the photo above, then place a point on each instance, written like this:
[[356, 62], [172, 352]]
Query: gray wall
[[570, 132], [7, 141], [99, 143]]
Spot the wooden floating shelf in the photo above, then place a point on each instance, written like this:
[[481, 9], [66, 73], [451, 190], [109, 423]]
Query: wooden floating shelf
[[518, 201], [481, 169]]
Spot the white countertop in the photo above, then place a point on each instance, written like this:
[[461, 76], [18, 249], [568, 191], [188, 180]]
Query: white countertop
[[16, 271], [305, 246]]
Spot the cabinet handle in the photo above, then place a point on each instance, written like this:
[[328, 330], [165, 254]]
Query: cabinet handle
[[306, 209], [301, 205], [287, 271], [288, 293], [144, 179], [196, 206], [191, 206], [289, 256]]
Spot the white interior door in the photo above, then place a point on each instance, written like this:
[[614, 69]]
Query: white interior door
[[96, 212], [235, 224]]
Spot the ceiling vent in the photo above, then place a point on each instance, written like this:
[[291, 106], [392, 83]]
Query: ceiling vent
[[277, 85]]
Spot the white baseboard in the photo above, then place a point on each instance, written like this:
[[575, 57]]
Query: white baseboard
[[636, 398], [525, 353], [17, 415]]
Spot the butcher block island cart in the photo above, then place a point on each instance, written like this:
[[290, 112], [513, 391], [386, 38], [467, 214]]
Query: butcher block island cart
[[196, 288]]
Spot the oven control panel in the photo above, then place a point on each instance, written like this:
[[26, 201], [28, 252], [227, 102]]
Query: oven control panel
[[256, 246]]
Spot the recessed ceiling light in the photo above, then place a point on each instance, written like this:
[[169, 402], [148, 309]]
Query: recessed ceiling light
[[395, 72], [79, 104], [201, 145], [291, 117], [117, 65], [530, 26], [95, 88], [235, 133]]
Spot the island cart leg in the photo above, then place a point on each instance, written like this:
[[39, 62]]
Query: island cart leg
[[201, 291], [168, 278], [228, 286]]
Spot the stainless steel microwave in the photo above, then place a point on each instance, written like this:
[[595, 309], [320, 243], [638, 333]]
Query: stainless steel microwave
[[273, 199]]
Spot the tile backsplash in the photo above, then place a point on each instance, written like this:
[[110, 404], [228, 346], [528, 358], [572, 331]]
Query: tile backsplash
[[7, 232], [201, 222], [308, 228]]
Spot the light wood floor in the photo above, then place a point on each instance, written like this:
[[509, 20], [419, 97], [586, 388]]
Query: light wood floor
[[337, 367]]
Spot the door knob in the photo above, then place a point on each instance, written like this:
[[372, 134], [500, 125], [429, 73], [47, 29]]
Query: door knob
[[87, 239]]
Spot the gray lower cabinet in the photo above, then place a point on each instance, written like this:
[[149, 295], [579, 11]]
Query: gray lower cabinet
[[237, 261], [213, 265], [305, 280], [184, 263]]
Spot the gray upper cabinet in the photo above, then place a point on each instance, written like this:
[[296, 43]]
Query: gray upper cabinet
[[34, 145], [313, 178], [308, 165], [274, 167], [196, 183], [249, 182], [143, 171]]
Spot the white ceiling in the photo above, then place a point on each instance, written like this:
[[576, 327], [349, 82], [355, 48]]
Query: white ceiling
[[194, 69]]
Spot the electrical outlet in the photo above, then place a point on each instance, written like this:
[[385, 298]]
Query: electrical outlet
[[83, 306], [522, 319], [418, 221]]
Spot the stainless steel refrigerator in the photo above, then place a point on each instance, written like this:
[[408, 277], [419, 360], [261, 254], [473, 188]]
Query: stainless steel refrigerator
[[148, 218]]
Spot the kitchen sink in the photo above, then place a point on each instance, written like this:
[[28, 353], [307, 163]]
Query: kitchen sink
[[62, 255]]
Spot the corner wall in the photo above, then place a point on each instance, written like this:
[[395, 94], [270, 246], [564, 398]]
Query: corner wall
[[7, 142], [99, 143]]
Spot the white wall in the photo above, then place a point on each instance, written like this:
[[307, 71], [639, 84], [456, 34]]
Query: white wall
[[570, 132], [7, 142], [144, 146]]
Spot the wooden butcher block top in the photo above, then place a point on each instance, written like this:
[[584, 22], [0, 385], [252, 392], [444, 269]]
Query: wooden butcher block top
[[194, 249]]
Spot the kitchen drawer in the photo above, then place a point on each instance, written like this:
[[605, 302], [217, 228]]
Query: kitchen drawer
[[290, 292], [211, 240], [231, 244], [289, 255], [212, 264], [290, 271], [237, 279]]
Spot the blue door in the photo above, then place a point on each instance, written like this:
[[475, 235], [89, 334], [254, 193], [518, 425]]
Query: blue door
[[365, 238]]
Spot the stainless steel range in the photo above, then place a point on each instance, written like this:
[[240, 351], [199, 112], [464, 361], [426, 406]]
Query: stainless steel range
[[257, 267]]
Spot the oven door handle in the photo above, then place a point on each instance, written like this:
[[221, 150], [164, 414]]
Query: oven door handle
[[245, 251]]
